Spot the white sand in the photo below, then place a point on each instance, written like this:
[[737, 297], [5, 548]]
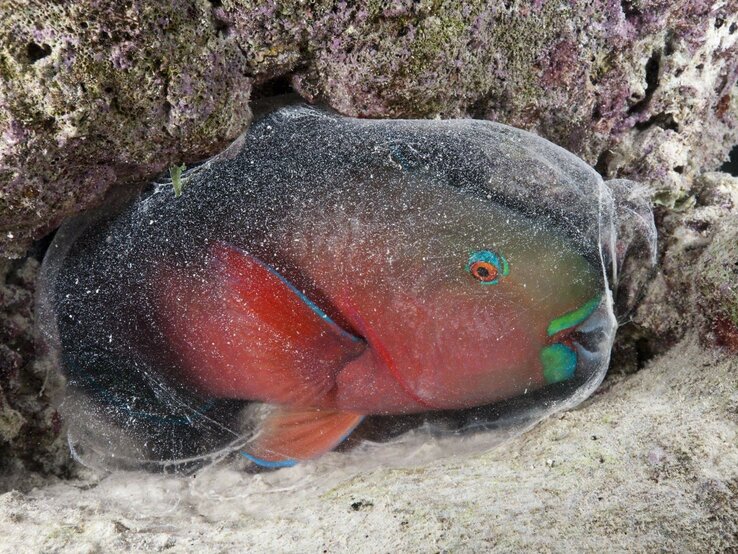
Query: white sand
[[649, 463]]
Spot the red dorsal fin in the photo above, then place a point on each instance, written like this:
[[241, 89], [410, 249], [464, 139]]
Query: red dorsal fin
[[290, 435], [245, 332]]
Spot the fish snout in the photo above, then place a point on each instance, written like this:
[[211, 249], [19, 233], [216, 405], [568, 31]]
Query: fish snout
[[579, 342]]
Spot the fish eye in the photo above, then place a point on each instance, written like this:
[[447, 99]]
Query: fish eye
[[483, 271], [487, 267]]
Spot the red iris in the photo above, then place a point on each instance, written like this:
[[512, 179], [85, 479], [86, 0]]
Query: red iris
[[483, 271]]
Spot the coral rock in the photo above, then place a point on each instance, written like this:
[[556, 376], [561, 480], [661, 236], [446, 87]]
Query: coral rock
[[93, 95]]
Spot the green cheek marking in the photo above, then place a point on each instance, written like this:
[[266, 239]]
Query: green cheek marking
[[559, 362], [574, 318]]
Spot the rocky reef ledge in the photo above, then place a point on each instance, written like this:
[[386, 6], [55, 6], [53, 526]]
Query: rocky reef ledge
[[101, 94], [96, 96]]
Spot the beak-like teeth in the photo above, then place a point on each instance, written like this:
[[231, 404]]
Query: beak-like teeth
[[595, 322], [581, 344]]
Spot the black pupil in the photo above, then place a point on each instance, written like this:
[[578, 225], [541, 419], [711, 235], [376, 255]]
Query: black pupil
[[483, 272]]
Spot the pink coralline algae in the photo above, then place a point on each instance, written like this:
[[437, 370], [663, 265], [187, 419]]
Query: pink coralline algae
[[94, 95]]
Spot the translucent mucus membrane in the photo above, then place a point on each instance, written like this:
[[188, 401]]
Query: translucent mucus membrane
[[330, 282]]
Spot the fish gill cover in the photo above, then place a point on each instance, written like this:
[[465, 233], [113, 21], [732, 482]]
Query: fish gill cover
[[330, 281]]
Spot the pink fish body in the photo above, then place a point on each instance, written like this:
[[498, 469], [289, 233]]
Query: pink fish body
[[395, 298], [325, 269]]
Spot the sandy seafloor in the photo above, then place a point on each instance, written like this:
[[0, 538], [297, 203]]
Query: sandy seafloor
[[649, 463]]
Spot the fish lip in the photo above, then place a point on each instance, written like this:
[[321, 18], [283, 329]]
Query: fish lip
[[570, 321], [585, 336], [566, 334]]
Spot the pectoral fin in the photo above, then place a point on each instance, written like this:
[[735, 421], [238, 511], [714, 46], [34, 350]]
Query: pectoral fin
[[244, 331], [291, 435]]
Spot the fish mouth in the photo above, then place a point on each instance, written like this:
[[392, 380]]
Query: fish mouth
[[578, 342]]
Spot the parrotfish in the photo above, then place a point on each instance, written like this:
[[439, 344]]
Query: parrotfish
[[333, 277], [424, 299]]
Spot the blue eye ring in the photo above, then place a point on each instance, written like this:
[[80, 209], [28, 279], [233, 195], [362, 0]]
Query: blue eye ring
[[487, 267]]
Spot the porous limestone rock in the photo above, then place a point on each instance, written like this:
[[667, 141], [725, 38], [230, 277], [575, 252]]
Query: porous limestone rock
[[97, 93], [697, 279], [29, 424], [100, 93]]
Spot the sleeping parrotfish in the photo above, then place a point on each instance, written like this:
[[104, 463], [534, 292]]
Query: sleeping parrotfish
[[334, 269], [416, 297]]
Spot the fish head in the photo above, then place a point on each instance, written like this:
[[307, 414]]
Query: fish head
[[464, 301]]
